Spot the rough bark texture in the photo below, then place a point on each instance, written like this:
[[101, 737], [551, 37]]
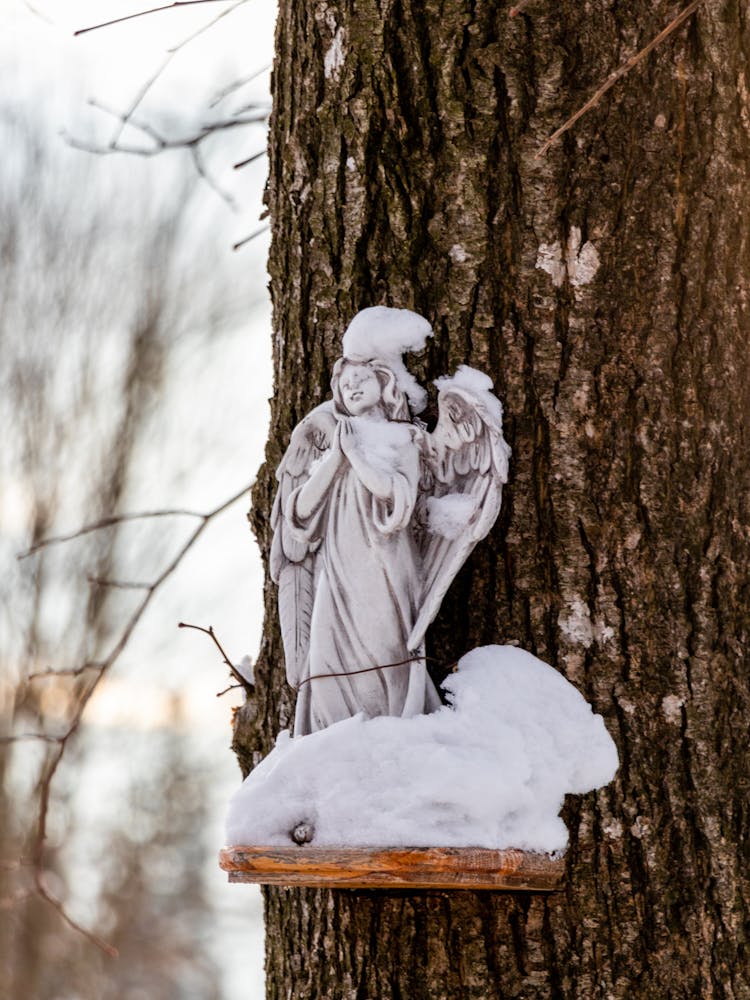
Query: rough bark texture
[[403, 172]]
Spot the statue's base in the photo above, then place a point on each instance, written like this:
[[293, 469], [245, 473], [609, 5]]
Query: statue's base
[[394, 868]]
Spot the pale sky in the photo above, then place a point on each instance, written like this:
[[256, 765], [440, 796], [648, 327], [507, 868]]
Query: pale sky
[[110, 66], [221, 582], [41, 60]]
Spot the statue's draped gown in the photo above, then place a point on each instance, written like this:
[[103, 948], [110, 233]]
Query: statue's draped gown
[[367, 592]]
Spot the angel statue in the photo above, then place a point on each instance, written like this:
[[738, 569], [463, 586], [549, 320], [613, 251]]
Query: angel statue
[[373, 518]]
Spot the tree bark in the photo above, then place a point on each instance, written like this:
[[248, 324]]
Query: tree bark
[[403, 172]]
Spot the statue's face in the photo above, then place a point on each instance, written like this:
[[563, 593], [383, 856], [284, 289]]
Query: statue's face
[[360, 389]]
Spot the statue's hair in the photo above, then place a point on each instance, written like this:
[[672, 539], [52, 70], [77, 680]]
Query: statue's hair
[[394, 400]]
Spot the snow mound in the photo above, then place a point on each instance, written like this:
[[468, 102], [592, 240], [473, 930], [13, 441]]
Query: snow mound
[[491, 770], [382, 441], [478, 386], [381, 333], [246, 669], [450, 514]]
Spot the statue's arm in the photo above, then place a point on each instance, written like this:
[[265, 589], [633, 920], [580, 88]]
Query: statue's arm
[[307, 499]]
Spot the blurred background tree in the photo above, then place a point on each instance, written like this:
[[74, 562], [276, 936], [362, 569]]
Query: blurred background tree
[[125, 384]]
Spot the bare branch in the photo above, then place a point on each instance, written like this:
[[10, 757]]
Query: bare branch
[[233, 87], [73, 672], [619, 73], [144, 13], [210, 632], [46, 781], [37, 13], [140, 96], [41, 737], [207, 26], [106, 522], [45, 893], [159, 142], [156, 75], [128, 118], [232, 687], [247, 239], [263, 106], [250, 159], [203, 173], [99, 581]]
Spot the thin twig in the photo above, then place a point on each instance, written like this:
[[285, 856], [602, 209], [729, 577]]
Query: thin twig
[[250, 159], [378, 666], [144, 13], [38, 13], [99, 581], [619, 73], [232, 687], [57, 904], [247, 239], [73, 672], [210, 632], [41, 737], [106, 522], [140, 97], [362, 670], [206, 27], [201, 170], [159, 142], [156, 75], [233, 87], [45, 784], [264, 106]]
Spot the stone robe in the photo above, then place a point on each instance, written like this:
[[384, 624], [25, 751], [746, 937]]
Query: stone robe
[[367, 589]]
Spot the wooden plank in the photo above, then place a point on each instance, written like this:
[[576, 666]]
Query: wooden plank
[[394, 868]]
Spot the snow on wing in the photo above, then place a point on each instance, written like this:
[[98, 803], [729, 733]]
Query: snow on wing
[[466, 460], [292, 560]]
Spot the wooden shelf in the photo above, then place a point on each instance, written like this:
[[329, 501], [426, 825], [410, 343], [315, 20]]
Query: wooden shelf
[[393, 868]]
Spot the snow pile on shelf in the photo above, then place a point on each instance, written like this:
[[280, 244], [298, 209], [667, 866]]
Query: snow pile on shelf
[[489, 771]]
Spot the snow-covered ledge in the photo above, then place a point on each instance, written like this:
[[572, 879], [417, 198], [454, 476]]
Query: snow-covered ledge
[[477, 785]]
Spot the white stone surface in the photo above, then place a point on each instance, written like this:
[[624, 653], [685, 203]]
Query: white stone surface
[[373, 518]]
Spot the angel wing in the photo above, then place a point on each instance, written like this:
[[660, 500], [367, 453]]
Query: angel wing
[[466, 464], [293, 561]]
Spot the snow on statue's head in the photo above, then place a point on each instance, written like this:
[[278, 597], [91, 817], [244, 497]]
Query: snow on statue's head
[[380, 336]]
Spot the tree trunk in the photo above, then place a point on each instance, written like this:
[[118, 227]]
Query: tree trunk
[[403, 172]]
